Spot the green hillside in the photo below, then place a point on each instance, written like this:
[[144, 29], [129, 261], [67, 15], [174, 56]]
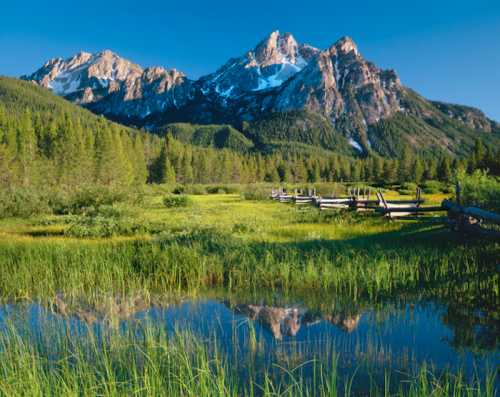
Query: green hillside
[[300, 127], [212, 135]]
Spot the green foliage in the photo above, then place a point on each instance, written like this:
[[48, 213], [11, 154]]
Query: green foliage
[[176, 201], [432, 187], [480, 190], [103, 226], [407, 189], [223, 189], [46, 141], [86, 200], [300, 127], [216, 136], [255, 193], [22, 202], [48, 144], [435, 135], [104, 221]]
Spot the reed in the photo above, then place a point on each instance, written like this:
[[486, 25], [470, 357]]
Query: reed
[[149, 362]]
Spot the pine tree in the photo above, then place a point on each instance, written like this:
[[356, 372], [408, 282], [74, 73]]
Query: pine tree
[[444, 169], [418, 170], [26, 149], [390, 171]]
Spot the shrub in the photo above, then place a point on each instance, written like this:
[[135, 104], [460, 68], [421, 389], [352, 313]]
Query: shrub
[[223, 189], [100, 226], [432, 187], [176, 201], [195, 189], [23, 202], [480, 190], [255, 192], [86, 200], [407, 189], [179, 189]]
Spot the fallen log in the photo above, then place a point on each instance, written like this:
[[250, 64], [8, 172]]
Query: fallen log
[[473, 212]]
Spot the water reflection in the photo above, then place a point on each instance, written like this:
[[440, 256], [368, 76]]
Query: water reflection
[[395, 336], [287, 321]]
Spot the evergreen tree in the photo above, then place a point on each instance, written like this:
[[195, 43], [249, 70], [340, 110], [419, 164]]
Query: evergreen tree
[[444, 169], [418, 170]]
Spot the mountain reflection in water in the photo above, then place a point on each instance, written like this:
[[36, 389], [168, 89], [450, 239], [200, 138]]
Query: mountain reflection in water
[[396, 336], [288, 320]]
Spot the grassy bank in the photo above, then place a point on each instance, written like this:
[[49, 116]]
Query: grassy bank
[[223, 241]]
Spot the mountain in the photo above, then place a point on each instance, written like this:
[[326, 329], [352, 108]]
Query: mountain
[[272, 62], [278, 84], [110, 85]]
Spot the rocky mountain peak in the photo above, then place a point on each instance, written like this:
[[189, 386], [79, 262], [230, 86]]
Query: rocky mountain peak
[[110, 84], [273, 61], [278, 75], [346, 45], [277, 48]]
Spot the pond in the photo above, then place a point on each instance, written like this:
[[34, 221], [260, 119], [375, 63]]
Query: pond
[[363, 342]]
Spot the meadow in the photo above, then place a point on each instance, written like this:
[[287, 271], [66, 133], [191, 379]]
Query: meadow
[[164, 247]]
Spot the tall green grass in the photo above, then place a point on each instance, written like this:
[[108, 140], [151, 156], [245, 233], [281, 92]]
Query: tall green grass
[[148, 362], [193, 260]]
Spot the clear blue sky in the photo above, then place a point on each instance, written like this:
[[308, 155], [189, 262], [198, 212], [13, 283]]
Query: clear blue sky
[[447, 50]]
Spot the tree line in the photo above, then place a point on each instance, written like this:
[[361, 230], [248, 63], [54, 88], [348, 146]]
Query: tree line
[[67, 150]]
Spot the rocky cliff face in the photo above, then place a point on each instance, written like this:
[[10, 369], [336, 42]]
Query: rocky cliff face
[[109, 84], [268, 65], [341, 85], [278, 76]]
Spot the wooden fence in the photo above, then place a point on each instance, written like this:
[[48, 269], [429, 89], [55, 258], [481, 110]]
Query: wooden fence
[[469, 220]]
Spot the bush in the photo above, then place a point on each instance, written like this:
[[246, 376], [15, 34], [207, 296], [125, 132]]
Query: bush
[[189, 189], [23, 203], [100, 226], [480, 190], [223, 189], [407, 189], [86, 200], [106, 221], [255, 192], [176, 201], [432, 187]]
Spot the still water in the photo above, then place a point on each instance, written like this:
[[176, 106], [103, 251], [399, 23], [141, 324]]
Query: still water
[[365, 342]]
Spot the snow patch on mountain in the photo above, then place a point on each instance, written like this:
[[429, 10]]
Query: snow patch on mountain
[[355, 145]]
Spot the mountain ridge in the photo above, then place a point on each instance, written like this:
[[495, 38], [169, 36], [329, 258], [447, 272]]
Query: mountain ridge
[[279, 75]]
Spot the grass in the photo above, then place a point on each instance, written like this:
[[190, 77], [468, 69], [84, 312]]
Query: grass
[[223, 241], [146, 361]]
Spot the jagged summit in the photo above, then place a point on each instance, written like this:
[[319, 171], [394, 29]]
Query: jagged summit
[[345, 45], [273, 61], [113, 85], [278, 75]]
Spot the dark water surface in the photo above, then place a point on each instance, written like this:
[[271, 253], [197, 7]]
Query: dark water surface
[[364, 342]]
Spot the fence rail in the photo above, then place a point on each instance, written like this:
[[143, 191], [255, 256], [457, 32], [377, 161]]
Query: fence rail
[[470, 220]]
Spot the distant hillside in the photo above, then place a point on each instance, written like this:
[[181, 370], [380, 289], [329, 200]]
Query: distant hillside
[[217, 136], [46, 140]]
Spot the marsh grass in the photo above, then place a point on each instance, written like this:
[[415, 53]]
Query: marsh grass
[[222, 241], [243, 247], [146, 361]]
